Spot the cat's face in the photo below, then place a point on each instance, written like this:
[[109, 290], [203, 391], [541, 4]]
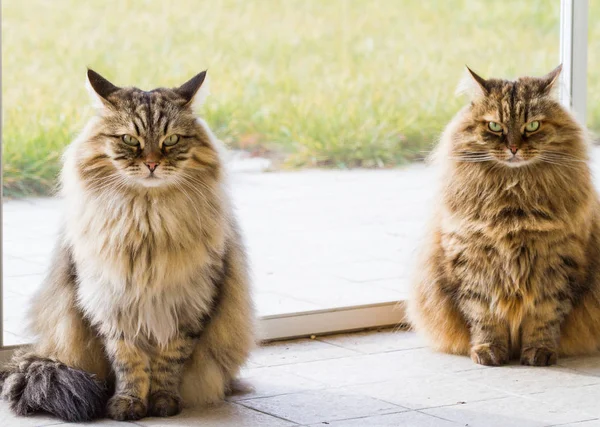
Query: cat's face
[[150, 139], [514, 123]]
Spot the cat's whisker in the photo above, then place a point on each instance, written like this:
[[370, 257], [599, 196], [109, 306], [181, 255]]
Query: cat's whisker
[[194, 179], [108, 180], [566, 158], [193, 183], [113, 186], [198, 186], [179, 186], [105, 183], [561, 157], [561, 164], [203, 197], [197, 181], [472, 159]]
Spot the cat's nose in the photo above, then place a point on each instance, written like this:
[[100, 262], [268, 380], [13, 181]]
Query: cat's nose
[[513, 149], [151, 165]]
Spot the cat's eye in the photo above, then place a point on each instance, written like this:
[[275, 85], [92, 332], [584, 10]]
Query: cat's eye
[[495, 127], [532, 126], [171, 140], [130, 140]]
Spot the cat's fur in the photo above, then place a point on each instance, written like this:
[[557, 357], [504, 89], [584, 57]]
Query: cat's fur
[[148, 292], [512, 263]]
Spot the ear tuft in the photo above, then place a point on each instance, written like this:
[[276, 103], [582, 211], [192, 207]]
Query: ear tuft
[[189, 89], [99, 88], [472, 84], [550, 82], [99, 84]]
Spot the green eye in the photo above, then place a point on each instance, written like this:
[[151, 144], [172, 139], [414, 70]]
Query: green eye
[[171, 140], [532, 126], [495, 127], [130, 140]]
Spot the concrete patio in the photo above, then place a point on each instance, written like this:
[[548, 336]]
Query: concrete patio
[[387, 379]]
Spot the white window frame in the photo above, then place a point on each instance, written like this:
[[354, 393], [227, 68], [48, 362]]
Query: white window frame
[[3, 351], [573, 56]]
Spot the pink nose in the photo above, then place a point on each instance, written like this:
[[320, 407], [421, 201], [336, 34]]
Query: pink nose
[[151, 165], [513, 149]]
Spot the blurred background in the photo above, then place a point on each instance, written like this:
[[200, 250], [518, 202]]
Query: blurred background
[[338, 99], [336, 83]]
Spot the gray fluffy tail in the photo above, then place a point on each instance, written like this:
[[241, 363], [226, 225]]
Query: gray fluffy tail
[[32, 384]]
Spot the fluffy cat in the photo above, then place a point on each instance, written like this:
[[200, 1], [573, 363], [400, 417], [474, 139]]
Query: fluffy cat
[[512, 264], [148, 294]]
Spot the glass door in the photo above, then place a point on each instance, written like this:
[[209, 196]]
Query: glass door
[[327, 110]]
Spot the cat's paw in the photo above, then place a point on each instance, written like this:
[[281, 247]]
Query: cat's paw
[[489, 354], [538, 356], [164, 404], [122, 407]]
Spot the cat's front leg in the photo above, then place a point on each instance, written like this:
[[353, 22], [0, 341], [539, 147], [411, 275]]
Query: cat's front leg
[[540, 332], [131, 366], [489, 335], [167, 367]]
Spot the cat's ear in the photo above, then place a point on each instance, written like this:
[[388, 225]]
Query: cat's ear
[[99, 88], [550, 82], [472, 84], [194, 91]]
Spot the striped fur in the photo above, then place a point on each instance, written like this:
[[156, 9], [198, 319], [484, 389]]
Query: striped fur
[[149, 290], [512, 263]]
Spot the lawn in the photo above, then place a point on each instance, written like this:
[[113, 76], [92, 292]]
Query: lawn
[[335, 83]]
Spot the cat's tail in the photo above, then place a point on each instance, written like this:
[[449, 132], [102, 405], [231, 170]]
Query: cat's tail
[[34, 384]]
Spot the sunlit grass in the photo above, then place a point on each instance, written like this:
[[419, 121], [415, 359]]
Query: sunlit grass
[[338, 83]]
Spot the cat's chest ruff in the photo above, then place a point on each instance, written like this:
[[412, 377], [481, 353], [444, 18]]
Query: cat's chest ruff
[[133, 243], [152, 313], [142, 269]]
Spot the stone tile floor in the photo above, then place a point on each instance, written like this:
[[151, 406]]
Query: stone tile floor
[[316, 239], [388, 378]]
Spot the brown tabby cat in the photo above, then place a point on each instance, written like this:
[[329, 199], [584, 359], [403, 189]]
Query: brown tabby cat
[[512, 266], [148, 291]]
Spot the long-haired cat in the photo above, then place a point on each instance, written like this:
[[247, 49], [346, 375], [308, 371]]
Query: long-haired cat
[[148, 293], [512, 264]]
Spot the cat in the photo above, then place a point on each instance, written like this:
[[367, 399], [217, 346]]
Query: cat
[[148, 294], [511, 266]]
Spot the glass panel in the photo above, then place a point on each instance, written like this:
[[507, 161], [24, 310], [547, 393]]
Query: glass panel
[[593, 93], [298, 86], [593, 89]]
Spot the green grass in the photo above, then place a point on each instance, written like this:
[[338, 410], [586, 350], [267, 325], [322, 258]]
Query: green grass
[[340, 83]]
